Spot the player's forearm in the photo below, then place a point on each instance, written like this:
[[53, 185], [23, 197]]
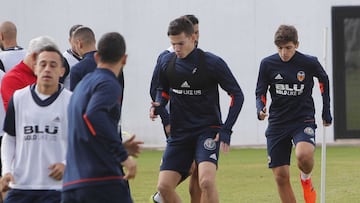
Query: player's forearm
[[7, 152]]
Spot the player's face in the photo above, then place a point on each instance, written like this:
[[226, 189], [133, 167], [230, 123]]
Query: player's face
[[49, 68], [182, 44], [287, 51]]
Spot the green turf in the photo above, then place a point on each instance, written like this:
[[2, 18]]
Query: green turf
[[243, 176]]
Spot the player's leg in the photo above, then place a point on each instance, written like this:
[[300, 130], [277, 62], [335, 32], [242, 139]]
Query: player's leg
[[167, 182], [207, 177], [175, 166], [304, 150], [207, 155], [194, 188], [279, 147], [282, 179]]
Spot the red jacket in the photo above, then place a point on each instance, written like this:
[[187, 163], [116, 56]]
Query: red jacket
[[17, 78]]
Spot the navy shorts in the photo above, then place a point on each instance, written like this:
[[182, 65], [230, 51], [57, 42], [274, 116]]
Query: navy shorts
[[115, 193], [183, 148], [32, 196], [280, 141]]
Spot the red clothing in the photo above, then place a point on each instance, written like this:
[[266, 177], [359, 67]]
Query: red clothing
[[17, 78]]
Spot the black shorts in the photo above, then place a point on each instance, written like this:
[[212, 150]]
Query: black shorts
[[182, 149], [280, 141]]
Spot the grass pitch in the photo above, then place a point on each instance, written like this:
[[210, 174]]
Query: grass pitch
[[243, 176]]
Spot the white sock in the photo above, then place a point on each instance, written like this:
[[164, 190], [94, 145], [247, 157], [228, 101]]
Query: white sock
[[305, 176], [157, 197]]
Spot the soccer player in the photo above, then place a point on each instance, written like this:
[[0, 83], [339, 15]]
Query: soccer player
[[12, 53], [194, 189], [289, 77], [96, 155], [70, 55], [34, 145], [85, 46], [190, 78], [23, 74]]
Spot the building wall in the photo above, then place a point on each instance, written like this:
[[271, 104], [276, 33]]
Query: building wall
[[241, 32]]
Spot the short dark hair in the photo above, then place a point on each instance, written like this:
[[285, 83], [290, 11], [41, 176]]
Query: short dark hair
[[111, 47], [179, 25], [194, 20], [50, 48], [85, 34], [285, 34], [73, 28]]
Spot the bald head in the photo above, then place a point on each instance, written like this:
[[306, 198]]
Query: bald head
[[8, 34], [8, 30]]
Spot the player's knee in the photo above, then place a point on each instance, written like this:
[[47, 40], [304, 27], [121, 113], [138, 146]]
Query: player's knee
[[206, 184], [163, 189], [305, 160], [282, 178]]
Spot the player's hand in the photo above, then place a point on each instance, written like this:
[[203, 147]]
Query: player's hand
[[263, 114], [152, 114], [223, 146], [326, 123], [5, 181], [132, 146], [167, 129], [131, 167], [56, 171]]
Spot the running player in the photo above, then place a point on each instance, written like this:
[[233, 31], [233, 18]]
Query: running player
[[289, 77], [190, 79], [194, 189]]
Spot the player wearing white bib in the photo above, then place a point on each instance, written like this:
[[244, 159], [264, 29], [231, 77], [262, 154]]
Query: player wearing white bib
[[11, 53], [34, 146]]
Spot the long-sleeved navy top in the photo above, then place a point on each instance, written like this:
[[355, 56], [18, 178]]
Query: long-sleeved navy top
[[155, 84], [95, 148], [194, 105], [290, 85], [79, 70]]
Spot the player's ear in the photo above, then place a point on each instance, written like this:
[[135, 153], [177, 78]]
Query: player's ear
[[297, 45], [62, 71], [97, 57], [123, 59]]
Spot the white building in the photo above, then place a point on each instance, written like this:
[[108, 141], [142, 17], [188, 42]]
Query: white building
[[240, 31]]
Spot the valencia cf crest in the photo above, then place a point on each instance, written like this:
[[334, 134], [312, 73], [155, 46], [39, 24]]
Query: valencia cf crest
[[309, 131], [301, 76], [209, 144]]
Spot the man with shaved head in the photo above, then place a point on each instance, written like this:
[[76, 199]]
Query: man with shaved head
[[11, 53], [85, 46]]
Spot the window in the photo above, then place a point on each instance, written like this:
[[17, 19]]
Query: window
[[346, 71]]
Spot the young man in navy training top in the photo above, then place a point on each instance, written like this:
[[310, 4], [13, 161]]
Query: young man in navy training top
[[288, 75], [194, 189], [96, 155], [189, 78]]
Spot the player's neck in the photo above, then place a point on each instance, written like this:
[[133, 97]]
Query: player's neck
[[47, 89]]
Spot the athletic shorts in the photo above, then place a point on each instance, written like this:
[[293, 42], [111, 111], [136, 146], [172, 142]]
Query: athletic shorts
[[115, 193], [32, 196], [183, 148], [280, 141]]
